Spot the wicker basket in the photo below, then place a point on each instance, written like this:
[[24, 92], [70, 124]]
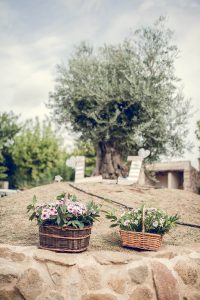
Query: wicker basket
[[64, 239], [141, 240]]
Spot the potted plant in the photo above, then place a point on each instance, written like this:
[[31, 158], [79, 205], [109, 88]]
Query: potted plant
[[64, 225], [143, 228]]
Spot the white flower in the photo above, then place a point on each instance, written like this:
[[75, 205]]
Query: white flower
[[162, 222], [155, 224], [126, 223]]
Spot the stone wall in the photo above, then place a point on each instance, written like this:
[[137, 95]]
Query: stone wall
[[195, 180], [33, 274], [191, 177]]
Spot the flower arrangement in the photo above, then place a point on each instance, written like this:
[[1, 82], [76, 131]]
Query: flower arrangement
[[153, 220], [67, 211]]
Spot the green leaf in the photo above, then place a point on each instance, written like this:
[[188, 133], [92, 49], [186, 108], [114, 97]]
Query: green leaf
[[79, 224], [29, 207], [58, 220], [61, 196], [34, 200], [114, 225], [32, 216]]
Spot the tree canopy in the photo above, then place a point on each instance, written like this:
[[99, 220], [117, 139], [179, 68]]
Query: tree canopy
[[9, 127], [197, 131], [37, 155], [124, 97]]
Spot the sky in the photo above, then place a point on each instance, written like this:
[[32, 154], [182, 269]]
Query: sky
[[35, 36]]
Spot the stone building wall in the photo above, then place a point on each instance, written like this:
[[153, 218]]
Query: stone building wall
[[191, 177], [194, 180], [33, 274]]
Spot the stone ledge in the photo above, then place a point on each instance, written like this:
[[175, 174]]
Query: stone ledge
[[37, 274]]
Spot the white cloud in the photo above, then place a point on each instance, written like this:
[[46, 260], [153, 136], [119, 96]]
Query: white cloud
[[84, 6]]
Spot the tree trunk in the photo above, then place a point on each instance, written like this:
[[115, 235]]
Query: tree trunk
[[108, 162]]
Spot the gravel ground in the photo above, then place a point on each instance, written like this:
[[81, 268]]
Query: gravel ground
[[15, 228]]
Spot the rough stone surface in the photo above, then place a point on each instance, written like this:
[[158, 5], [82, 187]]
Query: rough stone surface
[[195, 257], [142, 293], [10, 294], [138, 274], [57, 258], [114, 258], [91, 277], [117, 284], [99, 297], [14, 256], [187, 272], [8, 275], [165, 283], [51, 295], [6, 278], [30, 284], [166, 254], [99, 275], [56, 272], [195, 296]]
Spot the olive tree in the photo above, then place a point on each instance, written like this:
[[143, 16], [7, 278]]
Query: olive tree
[[124, 97]]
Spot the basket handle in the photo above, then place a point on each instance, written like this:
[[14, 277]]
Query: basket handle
[[143, 218]]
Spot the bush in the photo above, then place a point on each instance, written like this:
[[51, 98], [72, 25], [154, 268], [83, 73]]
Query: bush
[[37, 155]]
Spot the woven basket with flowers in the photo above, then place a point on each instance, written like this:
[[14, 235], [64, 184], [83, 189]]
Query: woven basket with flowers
[[65, 224], [143, 228]]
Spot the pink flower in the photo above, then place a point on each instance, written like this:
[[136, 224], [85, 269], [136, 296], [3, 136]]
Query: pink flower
[[53, 211], [44, 216], [76, 208], [60, 202]]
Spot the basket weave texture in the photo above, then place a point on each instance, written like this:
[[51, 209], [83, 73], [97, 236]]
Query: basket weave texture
[[64, 239], [141, 240]]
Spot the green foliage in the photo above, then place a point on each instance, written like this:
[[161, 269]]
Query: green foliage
[[198, 132], [66, 211], [155, 220], [86, 149], [9, 127], [125, 95], [37, 155], [61, 196]]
